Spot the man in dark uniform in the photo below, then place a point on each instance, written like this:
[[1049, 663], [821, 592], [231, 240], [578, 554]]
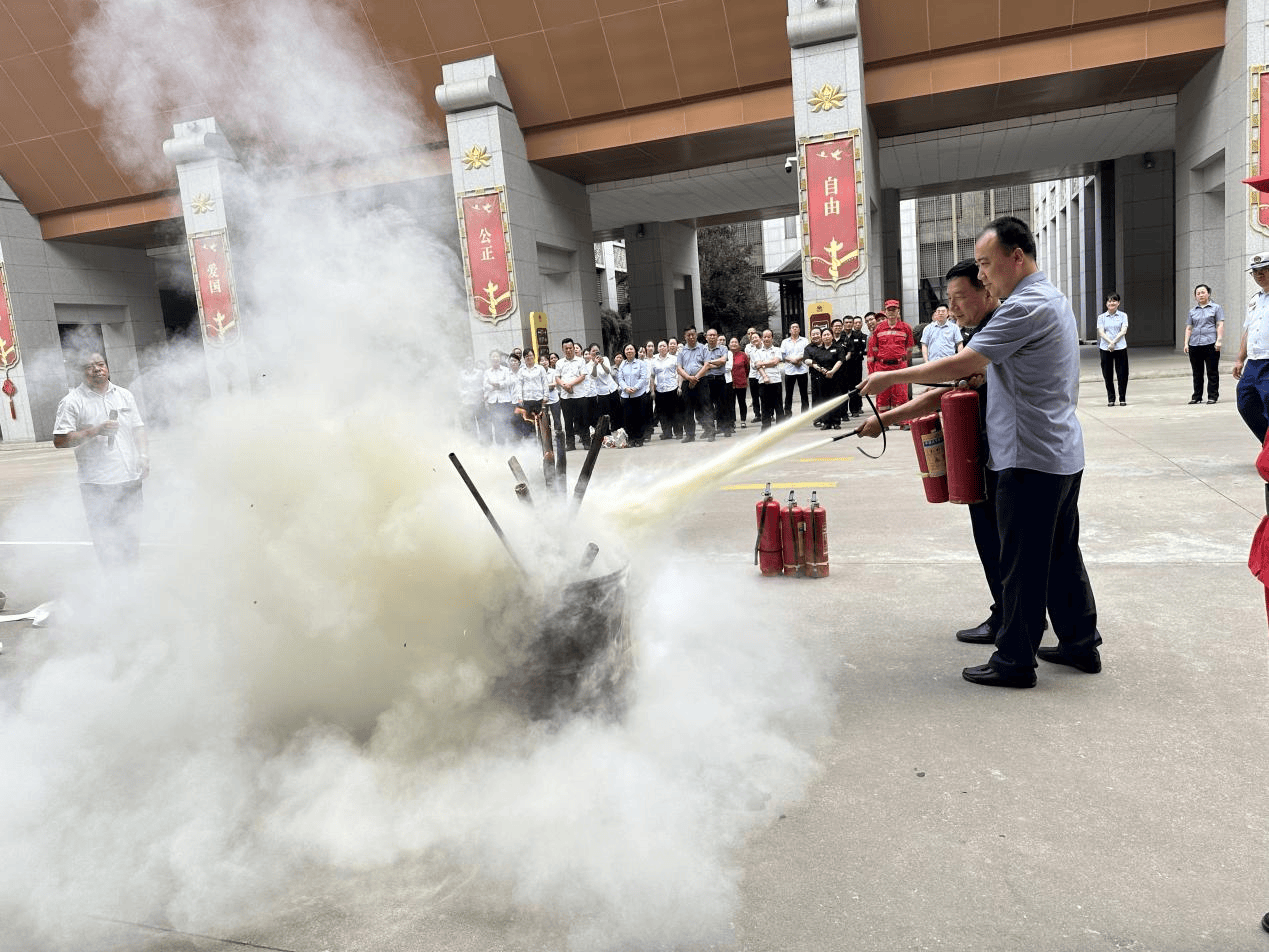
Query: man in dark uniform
[[972, 306], [1030, 353], [854, 344]]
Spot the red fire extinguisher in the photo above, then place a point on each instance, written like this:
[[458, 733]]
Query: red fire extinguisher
[[817, 522], [792, 535], [767, 553], [965, 483], [927, 435]]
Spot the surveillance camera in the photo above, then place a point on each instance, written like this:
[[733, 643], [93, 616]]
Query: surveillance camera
[[791, 163]]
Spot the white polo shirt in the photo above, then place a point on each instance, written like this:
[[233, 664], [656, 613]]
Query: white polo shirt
[[103, 460]]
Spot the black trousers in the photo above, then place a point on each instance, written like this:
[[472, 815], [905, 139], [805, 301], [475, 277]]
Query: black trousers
[[982, 520], [791, 381], [771, 403], [575, 422], [738, 395], [632, 418], [1115, 368], [720, 402], [854, 370], [1041, 568], [669, 409], [113, 511], [755, 397], [696, 407], [1205, 357]]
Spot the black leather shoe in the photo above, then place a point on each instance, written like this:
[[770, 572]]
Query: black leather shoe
[[1213, 400], [688, 439], [1089, 664], [986, 674], [1196, 400], [1264, 922], [982, 635]]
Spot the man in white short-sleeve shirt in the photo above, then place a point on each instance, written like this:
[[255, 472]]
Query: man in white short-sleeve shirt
[[101, 422]]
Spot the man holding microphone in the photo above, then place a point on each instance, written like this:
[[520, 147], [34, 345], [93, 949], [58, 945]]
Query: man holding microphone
[[100, 421]]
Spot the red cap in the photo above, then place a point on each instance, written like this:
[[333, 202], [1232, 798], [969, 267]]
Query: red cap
[[891, 303]]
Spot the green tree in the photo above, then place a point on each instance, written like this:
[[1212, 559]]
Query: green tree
[[616, 330], [733, 294]]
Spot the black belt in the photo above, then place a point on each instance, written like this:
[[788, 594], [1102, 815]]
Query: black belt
[[890, 363]]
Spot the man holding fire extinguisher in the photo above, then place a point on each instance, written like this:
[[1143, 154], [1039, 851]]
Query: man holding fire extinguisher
[[1030, 353], [972, 306]]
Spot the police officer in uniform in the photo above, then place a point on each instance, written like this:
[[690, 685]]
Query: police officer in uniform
[[1251, 370]]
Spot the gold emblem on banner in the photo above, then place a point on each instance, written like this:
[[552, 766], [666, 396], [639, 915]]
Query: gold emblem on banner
[[476, 158], [202, 204], [827, 98]]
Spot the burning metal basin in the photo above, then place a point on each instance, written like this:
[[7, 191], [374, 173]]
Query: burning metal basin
[[579, 659]]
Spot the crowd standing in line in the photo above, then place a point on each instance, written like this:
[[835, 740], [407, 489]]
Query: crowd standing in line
[[708, 383]]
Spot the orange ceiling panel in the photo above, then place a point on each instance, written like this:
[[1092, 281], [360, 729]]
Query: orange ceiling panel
[[641, 56], [12, 42], [33, 81], [611, 7], [585, 68], [531, 80], [65, 185], [453, 25], [40, 23], [650, 84], [703, 58], [398, 28], [964, 22], [505, 18], [556, 13], [92, 165], [760, 46]]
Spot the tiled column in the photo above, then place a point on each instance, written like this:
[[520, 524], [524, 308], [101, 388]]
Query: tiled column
[[526, 233], [836, 156], [15, 402], [205, 168], [663, 275]]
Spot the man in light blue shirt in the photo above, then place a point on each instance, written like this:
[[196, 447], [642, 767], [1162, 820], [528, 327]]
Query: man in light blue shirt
[[941, 338], [1030, 353]]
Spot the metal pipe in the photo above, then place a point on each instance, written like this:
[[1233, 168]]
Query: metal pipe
[[480, 501], [592, 453], [522, 481]]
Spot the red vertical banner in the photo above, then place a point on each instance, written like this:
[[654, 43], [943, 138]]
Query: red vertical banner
[[8, 333], [832, 209], [487, 260], [1259, 147], [213, 282]]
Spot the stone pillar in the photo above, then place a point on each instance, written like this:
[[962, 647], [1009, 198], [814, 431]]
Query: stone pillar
[[525, 232], [836, 155], [205, 163], [663, 279], [15, 401]]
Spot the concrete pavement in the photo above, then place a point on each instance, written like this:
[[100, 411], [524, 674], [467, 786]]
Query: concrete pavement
[[1119, 811]]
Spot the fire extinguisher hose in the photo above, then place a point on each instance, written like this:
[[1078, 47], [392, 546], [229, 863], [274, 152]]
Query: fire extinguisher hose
[[763, 521]]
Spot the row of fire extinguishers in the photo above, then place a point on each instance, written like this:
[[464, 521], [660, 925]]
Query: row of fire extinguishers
[[791, 540], [794, 541]]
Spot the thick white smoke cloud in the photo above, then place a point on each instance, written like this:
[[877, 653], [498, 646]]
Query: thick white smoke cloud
[[303, 679]]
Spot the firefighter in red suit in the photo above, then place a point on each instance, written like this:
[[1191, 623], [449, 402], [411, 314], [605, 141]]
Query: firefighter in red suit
[[888, 349]]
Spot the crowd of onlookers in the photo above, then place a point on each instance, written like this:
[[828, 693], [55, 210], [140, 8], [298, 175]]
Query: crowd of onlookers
[[710, 385]]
